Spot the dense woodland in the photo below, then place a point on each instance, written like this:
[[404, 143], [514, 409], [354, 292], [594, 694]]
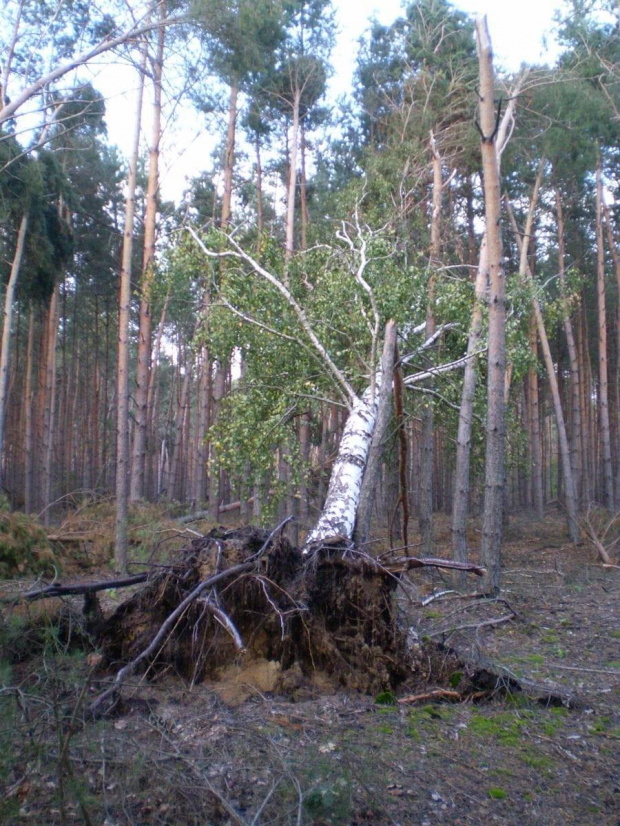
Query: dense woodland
[[211, 353]]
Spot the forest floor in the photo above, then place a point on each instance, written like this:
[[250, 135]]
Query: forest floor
[[230, 753]]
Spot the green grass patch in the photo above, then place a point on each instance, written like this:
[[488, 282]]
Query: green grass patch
[[497, 793]]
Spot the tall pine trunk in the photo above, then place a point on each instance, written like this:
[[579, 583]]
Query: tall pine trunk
[[492, 523], [6, 335], [603, 381], [140, 446], [122, 380]]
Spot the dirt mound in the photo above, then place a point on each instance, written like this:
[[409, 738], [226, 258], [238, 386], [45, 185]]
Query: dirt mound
[[331, 614]]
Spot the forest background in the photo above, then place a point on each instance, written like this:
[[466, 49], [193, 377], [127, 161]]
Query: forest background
[[136, 362]]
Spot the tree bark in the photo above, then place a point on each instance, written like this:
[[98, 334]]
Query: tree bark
[[603, 385], [573, 359], [6, 335], [525, 272], [462, 482], [372, 473], [495, 430], [292, 180], [229, 160], [122, 381], [49, 424], [428, 442], [140, 447]]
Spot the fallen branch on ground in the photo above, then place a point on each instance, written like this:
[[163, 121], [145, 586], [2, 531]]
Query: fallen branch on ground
[[57, 589]]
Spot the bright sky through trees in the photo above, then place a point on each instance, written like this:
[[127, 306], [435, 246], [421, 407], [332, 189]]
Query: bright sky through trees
[[518, 30]]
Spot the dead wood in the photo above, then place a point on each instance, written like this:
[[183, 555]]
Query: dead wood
[[57, 589]]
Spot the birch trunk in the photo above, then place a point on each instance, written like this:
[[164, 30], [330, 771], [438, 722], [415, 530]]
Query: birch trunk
[[6, 334], [337, 518], [495, 431], [122, 381], [372, 472]]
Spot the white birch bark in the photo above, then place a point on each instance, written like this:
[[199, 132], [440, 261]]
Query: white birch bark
[[338, 516]]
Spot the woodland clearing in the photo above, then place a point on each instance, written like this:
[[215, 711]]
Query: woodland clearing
[[257, 746]]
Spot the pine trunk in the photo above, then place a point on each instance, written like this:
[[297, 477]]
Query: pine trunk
[[122, 381], [492, 526], [140, 447]]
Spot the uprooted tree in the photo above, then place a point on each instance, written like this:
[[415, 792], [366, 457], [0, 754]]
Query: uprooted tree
[[326, 607]]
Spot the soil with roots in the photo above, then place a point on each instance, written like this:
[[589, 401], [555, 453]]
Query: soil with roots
[[358, 697]]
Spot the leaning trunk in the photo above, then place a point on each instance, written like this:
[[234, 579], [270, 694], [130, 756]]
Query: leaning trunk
[[340, 511]]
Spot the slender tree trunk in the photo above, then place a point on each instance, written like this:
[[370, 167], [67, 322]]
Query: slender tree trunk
[[50, 405], [303, 190], [229, 160], [140, 447], [616, 259], [6, 336], [28, 424], [122, 381], [495, 429], [536, 462], [460, 506], [428, 441], [292, 180], [219, 387], [260, 226], [525, 272], [573, 359], [603, 388]]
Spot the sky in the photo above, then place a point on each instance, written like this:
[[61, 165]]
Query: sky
[[517, 31]]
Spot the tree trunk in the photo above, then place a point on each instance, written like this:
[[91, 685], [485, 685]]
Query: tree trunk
[[148, 261], [536, 463], [339, 513], [260, 220], [461, 487], [616, 259], [525, 272], [292, 180], [122, 381], [49, 424], [428, 442], [460, 505], [229, 160], [495, 429], [372, 473], [29, 424], [6, 335], [603, 388], [573, 359]]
